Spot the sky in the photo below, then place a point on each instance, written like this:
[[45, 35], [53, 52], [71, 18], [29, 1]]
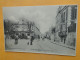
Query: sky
[[44, 16]]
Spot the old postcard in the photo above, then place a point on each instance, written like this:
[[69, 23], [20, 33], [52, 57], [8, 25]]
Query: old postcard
[[41, 29]]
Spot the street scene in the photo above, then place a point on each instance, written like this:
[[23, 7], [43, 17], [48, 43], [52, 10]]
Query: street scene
[[41, 29]]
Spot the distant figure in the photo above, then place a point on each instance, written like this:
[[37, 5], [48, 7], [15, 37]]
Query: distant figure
[[29, 38], [63, 39], [16, 39], [32, 38]]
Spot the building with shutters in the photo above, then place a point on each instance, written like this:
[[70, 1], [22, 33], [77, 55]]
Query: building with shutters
[[66, 21]]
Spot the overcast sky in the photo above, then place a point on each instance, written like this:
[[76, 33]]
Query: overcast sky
[[44, 16]]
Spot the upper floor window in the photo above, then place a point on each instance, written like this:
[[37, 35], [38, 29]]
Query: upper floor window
[[63, 17], [74, 12]]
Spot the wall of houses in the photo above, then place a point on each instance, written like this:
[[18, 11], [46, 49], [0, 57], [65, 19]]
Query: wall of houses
[[72, 18], [65, 23]]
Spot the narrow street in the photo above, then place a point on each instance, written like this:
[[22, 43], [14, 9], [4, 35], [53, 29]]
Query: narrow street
[[38, 46]]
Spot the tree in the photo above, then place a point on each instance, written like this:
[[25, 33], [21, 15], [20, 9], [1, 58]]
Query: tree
[[8, 26]]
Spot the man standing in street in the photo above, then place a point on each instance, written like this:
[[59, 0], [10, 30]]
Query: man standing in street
[[32, 38], [16, 39]]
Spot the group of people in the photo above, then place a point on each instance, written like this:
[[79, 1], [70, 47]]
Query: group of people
[[30, 39]]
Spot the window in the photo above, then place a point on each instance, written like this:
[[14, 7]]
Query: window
[[63, 17], [74, 12], [63, 28]]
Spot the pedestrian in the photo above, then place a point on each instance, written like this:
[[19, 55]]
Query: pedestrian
[[29, 38], [16, 39], [32, 38]]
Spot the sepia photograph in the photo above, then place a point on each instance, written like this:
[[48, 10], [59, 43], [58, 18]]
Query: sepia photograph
[[48, 29]]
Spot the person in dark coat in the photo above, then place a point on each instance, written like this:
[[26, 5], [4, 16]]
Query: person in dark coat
[[32, 38], [16, 39]]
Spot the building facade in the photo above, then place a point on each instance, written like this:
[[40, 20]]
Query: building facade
[[66, 20], [26, 28]]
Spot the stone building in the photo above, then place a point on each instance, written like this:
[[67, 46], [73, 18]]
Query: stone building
[[26, 28], [66, 24]]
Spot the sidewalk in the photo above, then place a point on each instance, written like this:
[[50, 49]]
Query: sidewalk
[[64, 45]]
